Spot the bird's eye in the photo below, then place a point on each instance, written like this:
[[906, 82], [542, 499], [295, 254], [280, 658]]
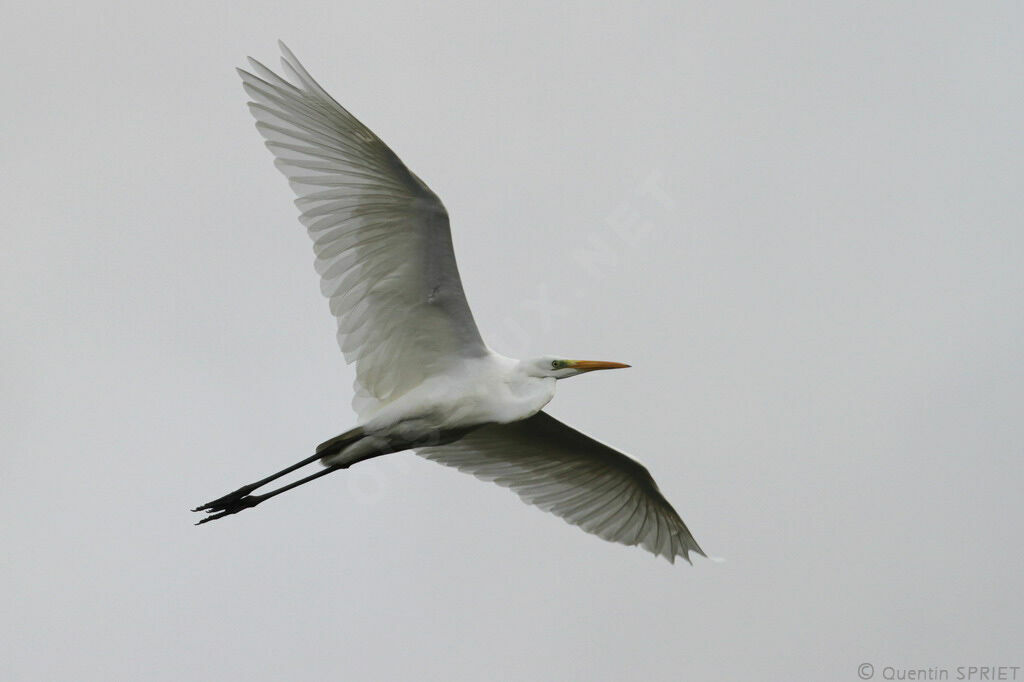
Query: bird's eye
[[555, 364]]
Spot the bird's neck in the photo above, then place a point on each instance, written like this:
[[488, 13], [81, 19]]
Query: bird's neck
[[529, 393]]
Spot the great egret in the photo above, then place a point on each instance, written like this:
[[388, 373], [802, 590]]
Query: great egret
[[425, 380]]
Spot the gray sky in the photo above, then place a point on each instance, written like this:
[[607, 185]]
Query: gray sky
[[802, 225]]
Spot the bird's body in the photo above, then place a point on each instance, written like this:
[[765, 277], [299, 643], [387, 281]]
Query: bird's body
[[490, 389], [425, 379]]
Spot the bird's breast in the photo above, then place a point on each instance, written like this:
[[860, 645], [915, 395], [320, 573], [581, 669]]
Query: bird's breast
[[523, 398], [467, 400]]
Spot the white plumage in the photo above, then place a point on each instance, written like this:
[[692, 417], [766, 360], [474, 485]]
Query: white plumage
[[567, 473], [424, 377], [381, 238]]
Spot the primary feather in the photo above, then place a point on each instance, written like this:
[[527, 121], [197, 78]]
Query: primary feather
[[567, 473], [381, 237]]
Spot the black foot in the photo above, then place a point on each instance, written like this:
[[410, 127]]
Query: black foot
[[227, 500], [232, 503], [234, 507]]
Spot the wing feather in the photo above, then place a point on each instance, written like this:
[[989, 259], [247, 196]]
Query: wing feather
[[381, 237], [567, 473]]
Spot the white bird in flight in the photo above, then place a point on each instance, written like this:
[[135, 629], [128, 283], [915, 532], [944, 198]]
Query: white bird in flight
[[425, 380]]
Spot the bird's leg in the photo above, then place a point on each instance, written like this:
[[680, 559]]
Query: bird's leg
[[232, 497], [237, 504], [334, 445], [243, 498]]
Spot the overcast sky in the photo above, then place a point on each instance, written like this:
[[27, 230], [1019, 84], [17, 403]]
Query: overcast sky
[[801, 223]]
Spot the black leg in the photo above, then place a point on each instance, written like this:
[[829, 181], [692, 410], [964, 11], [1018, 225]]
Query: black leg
[[232, 503], [336, 444], [223, 502], [246, 501]]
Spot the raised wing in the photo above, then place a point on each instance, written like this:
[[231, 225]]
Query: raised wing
[[563, 471], [381, 237]]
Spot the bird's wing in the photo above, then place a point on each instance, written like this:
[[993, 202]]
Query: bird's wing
[[563, 471], [381, 237]]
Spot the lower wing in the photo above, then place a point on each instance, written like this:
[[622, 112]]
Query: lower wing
[[565, 472]]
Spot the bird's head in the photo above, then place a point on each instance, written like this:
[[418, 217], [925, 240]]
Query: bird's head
[[560, 368]]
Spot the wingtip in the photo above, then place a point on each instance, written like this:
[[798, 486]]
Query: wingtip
[[255, 64], [288, 54]]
